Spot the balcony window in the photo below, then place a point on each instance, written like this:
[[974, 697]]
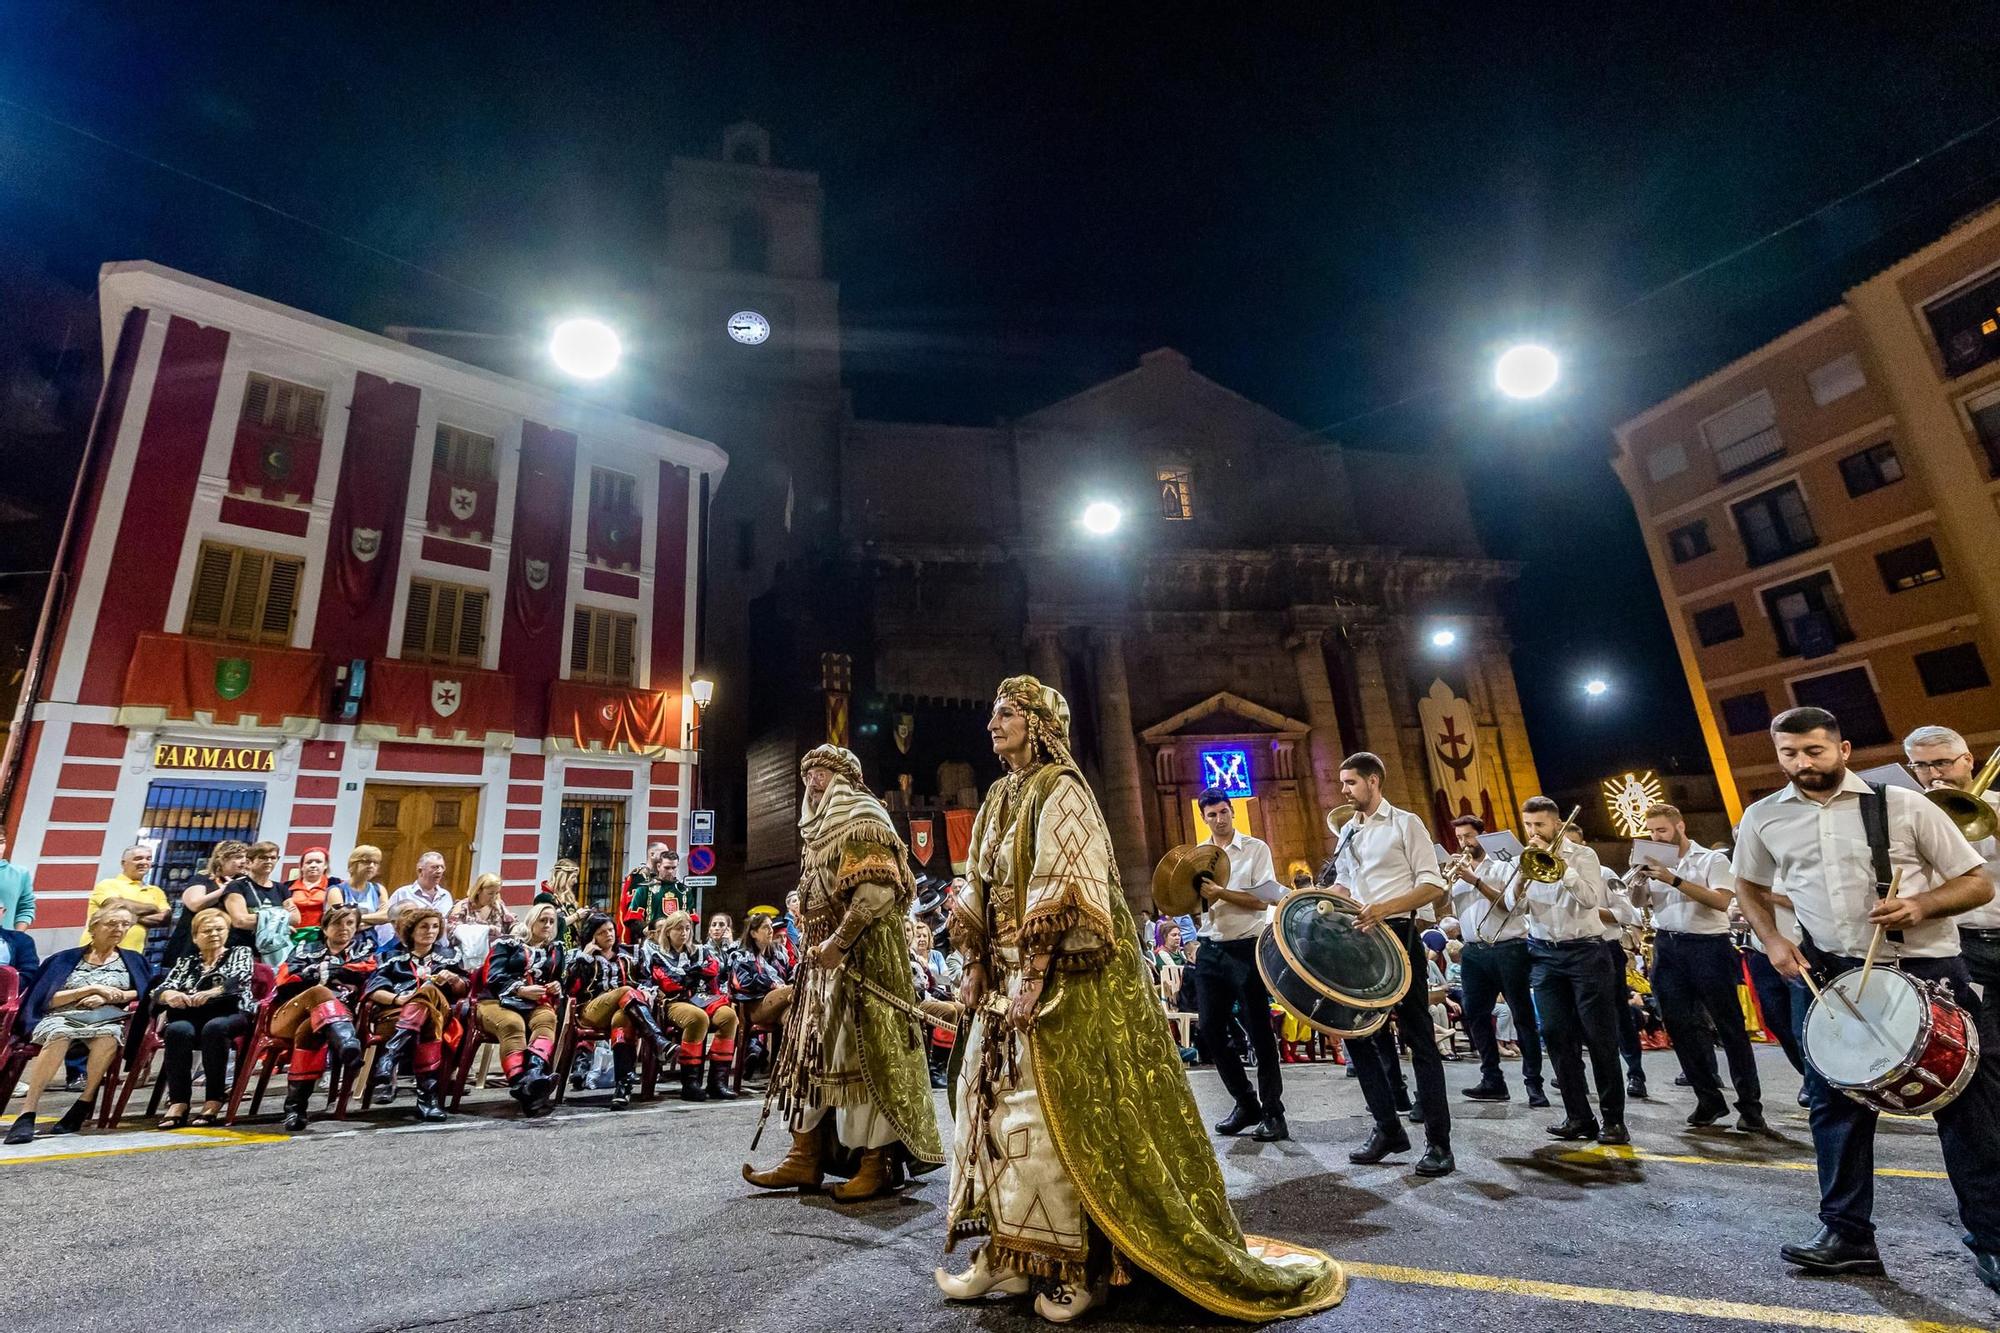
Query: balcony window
[[1986, 427], [1689, 541], [1745, 713], [1949, 670], [1911, 566], [1850, 696], [1717, 624], [1775, 524], [1745, 436], [276, 453], [1807, 617], [1669, 460], [244, 595], [1836, 379], [1871, 469], [1966, 326], [600, 647], [444, 623]]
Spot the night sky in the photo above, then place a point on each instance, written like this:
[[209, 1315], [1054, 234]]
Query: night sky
[[1341, 211]]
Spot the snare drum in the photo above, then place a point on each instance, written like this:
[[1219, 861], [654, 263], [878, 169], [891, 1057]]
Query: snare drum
[[1901, 1046], [1325, 972]]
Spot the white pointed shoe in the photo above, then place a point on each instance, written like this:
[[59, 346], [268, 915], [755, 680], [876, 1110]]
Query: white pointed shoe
[[1062, 1303], [981, 1279]]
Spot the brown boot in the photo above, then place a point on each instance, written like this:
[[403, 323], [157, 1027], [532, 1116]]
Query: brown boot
[[875, 1176], [800, 1170]]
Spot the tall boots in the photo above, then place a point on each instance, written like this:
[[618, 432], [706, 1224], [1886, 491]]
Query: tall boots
[[382, 1081], [642, 1013], [332, 1021], [720, 1078], [429, 1061], [621, 1074], [876, 1175], [538, 1081], [801, 1168], [298, 1093], [691, 1089]]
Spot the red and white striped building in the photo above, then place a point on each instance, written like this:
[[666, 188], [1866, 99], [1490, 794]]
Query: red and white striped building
[[327, 589]]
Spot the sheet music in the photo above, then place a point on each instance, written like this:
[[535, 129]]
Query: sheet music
[[1501, 846], [1891, 775], [1649, 853]]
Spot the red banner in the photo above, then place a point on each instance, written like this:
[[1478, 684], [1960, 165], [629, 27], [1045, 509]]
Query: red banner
[[173, 678], [958, 839], [450, 705], [611, 717], [366, 539], [538, 575], [270, 464], [613, 539], [462, 507], [923, 838]]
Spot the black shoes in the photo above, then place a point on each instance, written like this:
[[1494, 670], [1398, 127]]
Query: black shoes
[[1613, 1135], [1989, 1269], [74, 1119], [1707, 1112], [1828, 1253], [297, 1094], [23, 1130], [430, 1108], [1436, 1161], [1805, 1102], [1415, 1115], [1379, 1146], [1635, 1088], [1752, 1122], [1538, 1099], [1240, 1119], [719, 1088], [1573, 1130], [1487, 1092], [1273, 1129]]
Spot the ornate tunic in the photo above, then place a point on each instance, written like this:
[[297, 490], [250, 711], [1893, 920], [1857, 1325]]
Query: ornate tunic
[[1079, 1152]]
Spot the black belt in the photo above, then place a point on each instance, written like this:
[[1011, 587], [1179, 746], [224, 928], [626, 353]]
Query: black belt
[[1983, 932], [1692, 934]]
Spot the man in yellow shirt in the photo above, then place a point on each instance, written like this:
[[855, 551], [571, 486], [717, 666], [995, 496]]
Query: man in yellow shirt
[[147, 903]]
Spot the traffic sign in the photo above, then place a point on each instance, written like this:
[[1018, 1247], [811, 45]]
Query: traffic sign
[[701, 861], [701, 829], [699, 881]]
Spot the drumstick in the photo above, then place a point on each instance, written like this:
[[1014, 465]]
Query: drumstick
[[1868, 963]]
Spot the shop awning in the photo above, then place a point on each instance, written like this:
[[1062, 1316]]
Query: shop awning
[[173, 678], [417, 701]]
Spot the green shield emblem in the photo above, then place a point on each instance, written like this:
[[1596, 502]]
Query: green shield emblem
[[232, 676]]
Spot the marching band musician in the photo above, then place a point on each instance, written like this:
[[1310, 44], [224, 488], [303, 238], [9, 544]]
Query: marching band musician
[[1575, 1004], [1226, 979], [1811, 841], [1940, 757], [1696, 969], [1495, 963], [1387, 863], [1617, 916]]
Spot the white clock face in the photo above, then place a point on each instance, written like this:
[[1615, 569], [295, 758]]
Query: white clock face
[[749, 328]]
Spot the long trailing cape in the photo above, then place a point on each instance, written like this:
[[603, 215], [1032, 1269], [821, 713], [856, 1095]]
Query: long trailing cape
[[1125, 1124]]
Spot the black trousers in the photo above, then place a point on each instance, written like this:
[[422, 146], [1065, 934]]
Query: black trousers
[[1981, 950], [1376, 1062], [1784, 1004], [1695, 978], [215, 1028], [1226, 976], [1843, 1129], [1487, 972], [1628, 1017], [1577, 1008]]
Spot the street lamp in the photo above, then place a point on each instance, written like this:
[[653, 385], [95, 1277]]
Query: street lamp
[[585, 349], [701, 689], [1596, 687], [1101, 518], [1526, 370], [1443, 638]]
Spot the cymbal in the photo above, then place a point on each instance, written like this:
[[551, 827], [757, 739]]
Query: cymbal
[[1174, 889], [1336, 818]]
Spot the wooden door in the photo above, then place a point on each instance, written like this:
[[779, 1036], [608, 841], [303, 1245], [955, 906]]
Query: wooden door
[[406, 822]]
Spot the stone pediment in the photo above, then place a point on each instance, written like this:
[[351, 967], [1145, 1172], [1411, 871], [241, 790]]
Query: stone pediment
[[1225, 715]]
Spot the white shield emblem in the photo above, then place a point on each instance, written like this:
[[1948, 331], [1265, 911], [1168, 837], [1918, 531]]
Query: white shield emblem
[[365, 543], [445, 696], [464, 501], [608, 711], [538, 574]]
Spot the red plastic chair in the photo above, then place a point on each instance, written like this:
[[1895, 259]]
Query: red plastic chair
[[262, 979]]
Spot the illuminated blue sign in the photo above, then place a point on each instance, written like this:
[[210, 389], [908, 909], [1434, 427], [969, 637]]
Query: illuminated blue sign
[[1228, 769]]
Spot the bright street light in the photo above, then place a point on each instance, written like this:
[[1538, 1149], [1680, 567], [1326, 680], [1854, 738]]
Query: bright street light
[[586, 349], [1101, 518], [1596, 687], [1444, 638], [1526, 370], [703, 690]]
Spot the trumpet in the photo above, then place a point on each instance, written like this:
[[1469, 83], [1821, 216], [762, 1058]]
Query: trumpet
[[1967, 809], [1547, 866], [1336, 818]]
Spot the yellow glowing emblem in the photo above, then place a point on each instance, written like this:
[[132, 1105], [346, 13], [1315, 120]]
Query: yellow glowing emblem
[[1628, 797]]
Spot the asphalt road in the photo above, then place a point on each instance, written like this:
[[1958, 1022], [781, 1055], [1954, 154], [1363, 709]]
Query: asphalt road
[[638, 1220]]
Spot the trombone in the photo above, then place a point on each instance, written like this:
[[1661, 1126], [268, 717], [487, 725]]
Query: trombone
[[1546, 865], [1974, 817]]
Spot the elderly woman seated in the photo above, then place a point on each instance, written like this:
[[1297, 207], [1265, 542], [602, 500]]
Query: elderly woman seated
[[413, 990], [82, 995], [209, 1002]]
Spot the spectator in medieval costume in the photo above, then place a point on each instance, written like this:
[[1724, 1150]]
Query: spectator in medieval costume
[[518, 988], [604, 985], [318, 994], [689, 977], [851, 1043], [652, 892], [413, 991]]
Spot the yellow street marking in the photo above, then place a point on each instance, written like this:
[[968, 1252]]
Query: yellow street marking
[[145, 1141], [1629, 1154], [1658, 1302]]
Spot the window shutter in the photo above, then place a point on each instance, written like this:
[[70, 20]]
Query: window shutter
[[579, 643], [471, 626], [244, 590], [209, 600], [417, 620], [444, 621], [600, 644], [621, 648], [257, 399], [281, 600]]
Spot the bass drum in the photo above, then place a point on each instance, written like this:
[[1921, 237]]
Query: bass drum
[[1327, 972]]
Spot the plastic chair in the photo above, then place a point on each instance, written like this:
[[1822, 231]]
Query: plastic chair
[[263, 979]]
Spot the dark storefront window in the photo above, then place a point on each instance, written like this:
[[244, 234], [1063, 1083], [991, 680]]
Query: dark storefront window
[[184, 820]]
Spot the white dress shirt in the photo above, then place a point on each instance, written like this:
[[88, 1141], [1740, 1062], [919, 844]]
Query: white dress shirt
[[1987, 917], [1818, 856], [1567, 909], [1385, 855], [1480, 919], [1674, 910], [1619, 904], [1250, 867]]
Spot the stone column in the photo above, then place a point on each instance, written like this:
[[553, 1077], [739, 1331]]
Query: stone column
[[1321, 775], [1124, 800], [1045, 657], [1380, 731]]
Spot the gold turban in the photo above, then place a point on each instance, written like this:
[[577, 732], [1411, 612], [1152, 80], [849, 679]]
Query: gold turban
[[841, 761], [1048, 715]]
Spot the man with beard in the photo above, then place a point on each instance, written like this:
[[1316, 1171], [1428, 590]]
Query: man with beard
[[1854, 857], [853, 1043]]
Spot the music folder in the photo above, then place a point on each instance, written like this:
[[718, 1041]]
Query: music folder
[[1501, 846]]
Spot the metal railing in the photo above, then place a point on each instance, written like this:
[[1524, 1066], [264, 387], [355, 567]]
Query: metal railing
[[1751, 451]]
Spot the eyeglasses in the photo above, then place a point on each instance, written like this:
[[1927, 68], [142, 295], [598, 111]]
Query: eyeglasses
[[1926, 765]]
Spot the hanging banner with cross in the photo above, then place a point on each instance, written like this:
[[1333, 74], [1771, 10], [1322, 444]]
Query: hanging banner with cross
[[1451, 749]]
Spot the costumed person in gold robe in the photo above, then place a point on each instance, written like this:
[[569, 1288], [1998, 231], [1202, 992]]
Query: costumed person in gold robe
[[854, 1040], [1080, 1156]]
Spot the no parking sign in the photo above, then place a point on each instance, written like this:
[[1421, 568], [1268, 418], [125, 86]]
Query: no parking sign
[[701, 861]]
